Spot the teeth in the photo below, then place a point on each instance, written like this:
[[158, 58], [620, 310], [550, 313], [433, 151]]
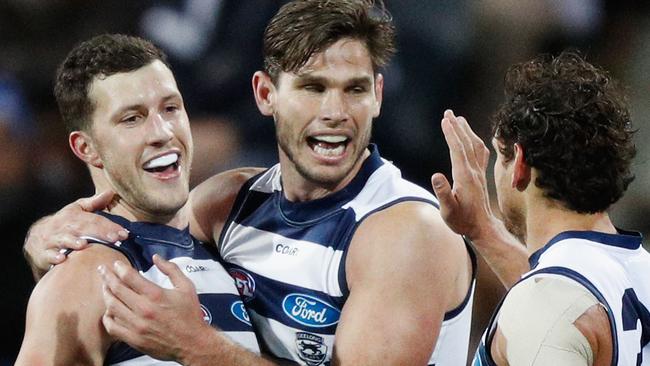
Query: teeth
[[332, 139], [161, 161], [329, 152]]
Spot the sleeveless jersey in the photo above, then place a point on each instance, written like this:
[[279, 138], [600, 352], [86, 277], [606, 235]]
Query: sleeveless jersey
[[220, 302], [616, 270], [288, 261]]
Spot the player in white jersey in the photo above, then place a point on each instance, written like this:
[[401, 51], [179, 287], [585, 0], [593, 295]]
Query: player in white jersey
[[127, 122], [404, 269], [563, 140]]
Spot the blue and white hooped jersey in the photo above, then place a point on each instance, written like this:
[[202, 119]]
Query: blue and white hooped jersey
[[615, 268], [288, 261], [220, 301]]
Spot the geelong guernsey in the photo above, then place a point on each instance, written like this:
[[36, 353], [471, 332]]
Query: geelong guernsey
[[220, 302], [616, 270], [288, 261]]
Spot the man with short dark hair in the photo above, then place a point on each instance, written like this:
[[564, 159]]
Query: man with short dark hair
[[127, 122], [563, 140], [339, 260]]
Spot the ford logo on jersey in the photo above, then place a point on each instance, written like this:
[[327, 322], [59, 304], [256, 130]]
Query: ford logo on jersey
[[310, 311], [239, 311]]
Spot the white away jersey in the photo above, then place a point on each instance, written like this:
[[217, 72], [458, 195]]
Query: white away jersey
[[616, 270], [220, 302], [288, 260]]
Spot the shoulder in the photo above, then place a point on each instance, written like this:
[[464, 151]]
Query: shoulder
[[408, 239], [538, 322], [211, 201]]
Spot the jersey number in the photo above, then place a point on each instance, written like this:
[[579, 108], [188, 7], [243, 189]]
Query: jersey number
[[633, 310]]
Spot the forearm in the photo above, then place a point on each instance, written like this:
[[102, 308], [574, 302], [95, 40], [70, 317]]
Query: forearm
[[214, 348], [505, 255]]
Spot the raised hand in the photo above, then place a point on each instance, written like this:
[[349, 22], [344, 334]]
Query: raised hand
[[66, 230], [159, 322], [465, 207]]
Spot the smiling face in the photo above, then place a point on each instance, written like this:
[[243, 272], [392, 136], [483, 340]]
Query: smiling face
[[323, 116], [141, 136]]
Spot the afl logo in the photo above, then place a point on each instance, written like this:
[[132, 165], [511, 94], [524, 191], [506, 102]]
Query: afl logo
[[239, 311], [310, 311], [207, 317], [244, 282]]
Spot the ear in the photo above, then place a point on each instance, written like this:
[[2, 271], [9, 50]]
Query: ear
[[521, 170], [379, 94], [82, 146], [264, 91]]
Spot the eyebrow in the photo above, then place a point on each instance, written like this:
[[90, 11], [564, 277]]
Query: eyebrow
[[308, 79], [137, 106]]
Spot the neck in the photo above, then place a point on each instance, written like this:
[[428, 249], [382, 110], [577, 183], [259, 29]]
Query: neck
[[298, 188], [547, 219], [178, 220]]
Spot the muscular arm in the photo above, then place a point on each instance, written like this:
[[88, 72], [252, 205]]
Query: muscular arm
[[211, 201], [552, 321], [405, 269], [64, 313]]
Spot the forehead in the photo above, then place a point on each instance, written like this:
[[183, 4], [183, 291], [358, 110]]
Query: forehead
[[144, 85], [345, 58]]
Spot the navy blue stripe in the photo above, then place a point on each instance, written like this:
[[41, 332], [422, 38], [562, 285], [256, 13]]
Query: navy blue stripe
[[304, 213], [269, 295], [119, 352], [582, 280], [625, 239], [153, 231], [222, 316]]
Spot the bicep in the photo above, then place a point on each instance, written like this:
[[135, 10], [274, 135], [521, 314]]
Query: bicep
[[63, 324], [400, 288]]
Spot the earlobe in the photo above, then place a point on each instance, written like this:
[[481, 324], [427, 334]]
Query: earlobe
[[521, 170], [82, 146], [264, 91]]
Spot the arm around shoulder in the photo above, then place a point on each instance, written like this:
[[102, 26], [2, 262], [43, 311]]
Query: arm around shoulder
[[211, 201], [405, 270]]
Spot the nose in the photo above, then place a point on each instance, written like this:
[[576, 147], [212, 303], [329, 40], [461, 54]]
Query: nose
[[161, 130], [334, 107]]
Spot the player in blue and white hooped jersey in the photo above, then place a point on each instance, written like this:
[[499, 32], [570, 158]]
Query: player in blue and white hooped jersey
[[564, 147], [120, 101], [288, 260]]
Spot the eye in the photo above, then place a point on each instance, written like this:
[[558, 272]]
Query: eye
[[357, 89], [171, 108], [131, 119], [316, 88]]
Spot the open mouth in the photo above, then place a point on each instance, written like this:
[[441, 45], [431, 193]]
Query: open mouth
[[328, 145], [168, 163]]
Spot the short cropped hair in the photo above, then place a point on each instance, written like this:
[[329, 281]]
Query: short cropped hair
[[572, 121], [304, 27], [99, 57]]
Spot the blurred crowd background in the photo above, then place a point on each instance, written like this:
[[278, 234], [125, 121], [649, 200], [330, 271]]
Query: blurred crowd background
[[452, 54]]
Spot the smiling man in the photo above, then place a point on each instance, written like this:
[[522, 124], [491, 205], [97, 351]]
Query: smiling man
[[120, 101], [338, 259]]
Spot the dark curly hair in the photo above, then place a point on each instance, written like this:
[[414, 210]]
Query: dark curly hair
[[304, 27], [98, 57], [573, 123]]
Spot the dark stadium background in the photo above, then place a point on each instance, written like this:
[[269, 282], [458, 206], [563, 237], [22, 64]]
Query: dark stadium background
[[452, 54]]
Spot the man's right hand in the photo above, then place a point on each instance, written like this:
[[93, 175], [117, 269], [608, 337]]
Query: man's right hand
[[64, 230]]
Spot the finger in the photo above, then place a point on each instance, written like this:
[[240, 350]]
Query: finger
[[462, 127], [443, 191], [176, 276], [97, 202], [137, 285], [457, 153], [54, 256], [69, 241], [120, 291], [482, 153], [119, 321]]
